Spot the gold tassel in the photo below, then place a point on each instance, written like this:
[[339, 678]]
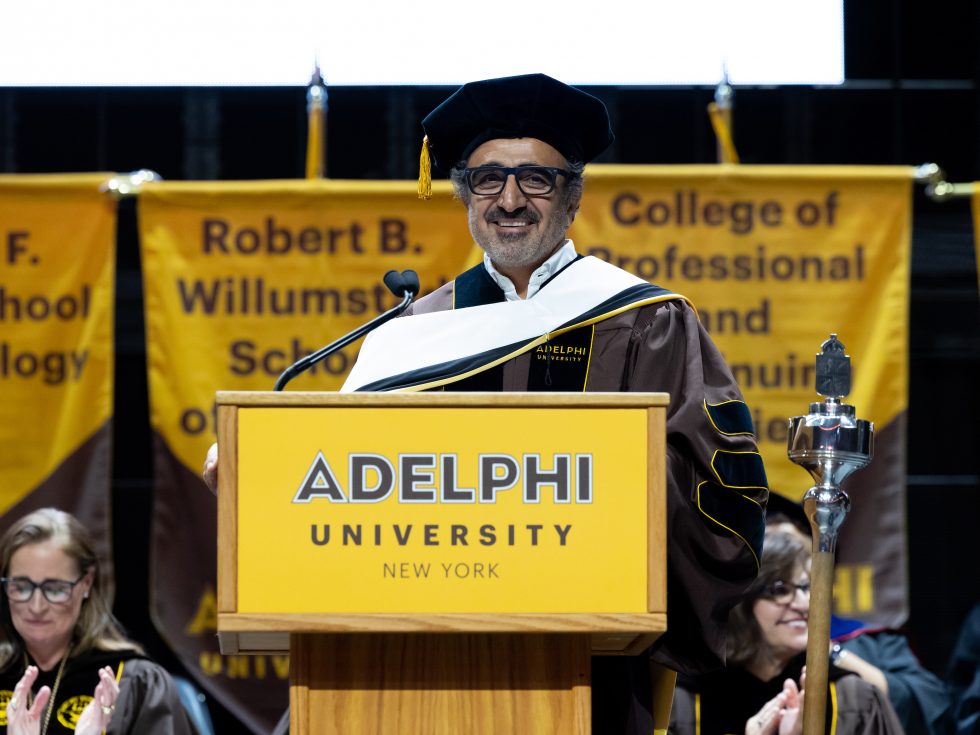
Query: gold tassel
[[425, 171]]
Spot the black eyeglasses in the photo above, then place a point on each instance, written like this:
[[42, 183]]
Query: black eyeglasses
[[533, 181], [783, 593], [56, 591]]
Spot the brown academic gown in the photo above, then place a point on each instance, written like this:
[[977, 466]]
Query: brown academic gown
[[715, 482], [722, 702]]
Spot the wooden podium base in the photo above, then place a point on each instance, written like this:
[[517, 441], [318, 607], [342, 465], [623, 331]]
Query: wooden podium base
[[447, 683]]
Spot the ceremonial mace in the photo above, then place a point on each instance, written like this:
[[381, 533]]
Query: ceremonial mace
[[830, 443]]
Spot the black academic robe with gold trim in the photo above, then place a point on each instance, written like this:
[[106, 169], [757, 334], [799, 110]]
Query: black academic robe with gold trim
[[148, 703], [721, 702]]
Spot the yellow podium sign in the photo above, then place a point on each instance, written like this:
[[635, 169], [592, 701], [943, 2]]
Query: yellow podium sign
[[441, 512], [438, 509]]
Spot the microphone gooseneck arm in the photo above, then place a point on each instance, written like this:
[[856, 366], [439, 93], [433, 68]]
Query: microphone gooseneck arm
[[400, 284]]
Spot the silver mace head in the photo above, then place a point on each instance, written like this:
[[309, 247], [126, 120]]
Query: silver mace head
[[830, 443]]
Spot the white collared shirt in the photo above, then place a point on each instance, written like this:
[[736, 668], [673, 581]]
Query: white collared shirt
[[561, 257]]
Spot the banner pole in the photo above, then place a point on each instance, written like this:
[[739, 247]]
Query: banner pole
[[316, 137], [720, 111], [124, 186]]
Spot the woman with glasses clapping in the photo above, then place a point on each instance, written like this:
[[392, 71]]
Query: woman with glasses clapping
[[761, 690], [65, 665]]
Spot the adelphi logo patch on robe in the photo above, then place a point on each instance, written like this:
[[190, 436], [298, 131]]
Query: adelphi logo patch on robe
[[71, 709], [5, 695], [68, 713], [562, 363]]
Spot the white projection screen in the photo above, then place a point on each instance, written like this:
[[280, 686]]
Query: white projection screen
[[439, 42]]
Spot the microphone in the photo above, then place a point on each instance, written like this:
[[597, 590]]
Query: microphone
[[395, 282], [404, 284], [411, 280]]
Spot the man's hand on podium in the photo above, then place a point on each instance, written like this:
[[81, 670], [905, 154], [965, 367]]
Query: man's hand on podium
[[210, 473]]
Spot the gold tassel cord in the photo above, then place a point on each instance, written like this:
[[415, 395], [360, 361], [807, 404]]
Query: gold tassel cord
[[425, 171]]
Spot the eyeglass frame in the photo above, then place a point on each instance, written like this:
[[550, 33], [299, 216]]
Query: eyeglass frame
[[768, 594], [35, 586], [509, 171]]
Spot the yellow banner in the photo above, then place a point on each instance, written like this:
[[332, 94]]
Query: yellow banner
[[244, 278], [975, 201], [487, 514], [776, 258], [57, 265]]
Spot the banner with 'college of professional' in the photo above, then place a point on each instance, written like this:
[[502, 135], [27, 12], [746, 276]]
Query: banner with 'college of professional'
[[57, 265], [242, 279], [776, 259]]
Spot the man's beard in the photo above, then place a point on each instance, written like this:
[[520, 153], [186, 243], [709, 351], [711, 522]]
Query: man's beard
[[520, 249]]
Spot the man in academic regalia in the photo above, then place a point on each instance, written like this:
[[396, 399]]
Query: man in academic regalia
[[536, 316]]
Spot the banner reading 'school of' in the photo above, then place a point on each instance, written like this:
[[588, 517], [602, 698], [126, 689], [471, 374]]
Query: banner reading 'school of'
[[775, 259], [242, 279], [57, 265]]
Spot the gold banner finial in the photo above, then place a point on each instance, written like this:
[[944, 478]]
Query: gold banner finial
[[316, 138]]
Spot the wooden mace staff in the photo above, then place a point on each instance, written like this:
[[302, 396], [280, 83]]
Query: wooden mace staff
[[830, 443]]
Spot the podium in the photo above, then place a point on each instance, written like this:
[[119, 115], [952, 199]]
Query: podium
[[441, 562]]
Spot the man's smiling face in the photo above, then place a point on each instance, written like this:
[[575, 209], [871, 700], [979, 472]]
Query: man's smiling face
[[515, 230]]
